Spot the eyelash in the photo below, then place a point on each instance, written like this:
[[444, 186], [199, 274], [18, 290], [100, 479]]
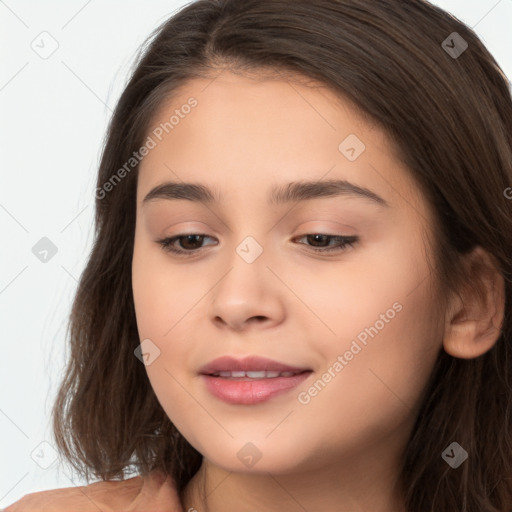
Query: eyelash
[[344, 242]]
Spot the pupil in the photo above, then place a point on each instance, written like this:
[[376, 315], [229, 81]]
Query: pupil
[[189, 238], [315, 237]]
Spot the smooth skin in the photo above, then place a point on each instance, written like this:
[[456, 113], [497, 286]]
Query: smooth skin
[[342, 450]]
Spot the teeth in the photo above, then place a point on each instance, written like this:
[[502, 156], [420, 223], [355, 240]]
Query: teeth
[[255, 374]]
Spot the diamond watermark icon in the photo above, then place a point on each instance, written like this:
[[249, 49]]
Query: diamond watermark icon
[[454, 455], [44, 455], [454, 45], [352, 147], [44, 250], [147, 352], [45, 45], [249, 455], [249, 249]]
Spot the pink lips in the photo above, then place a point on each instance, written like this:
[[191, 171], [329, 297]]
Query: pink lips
[[246, 390], [249, 363]]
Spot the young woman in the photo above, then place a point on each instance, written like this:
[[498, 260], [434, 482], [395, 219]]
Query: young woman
[[299, 295]]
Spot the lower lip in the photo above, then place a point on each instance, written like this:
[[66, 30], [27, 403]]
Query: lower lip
[[250, 392]]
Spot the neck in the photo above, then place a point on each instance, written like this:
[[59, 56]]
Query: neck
[[353, 488]]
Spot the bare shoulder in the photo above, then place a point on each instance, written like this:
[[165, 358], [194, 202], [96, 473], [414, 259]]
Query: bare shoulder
[[133, 494], [92, 497]]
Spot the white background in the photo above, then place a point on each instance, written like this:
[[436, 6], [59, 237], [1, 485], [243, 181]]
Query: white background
[[54, 114]]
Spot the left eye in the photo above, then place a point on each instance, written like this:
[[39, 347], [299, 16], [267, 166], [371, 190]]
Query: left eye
[[189, 243], [341, 242]]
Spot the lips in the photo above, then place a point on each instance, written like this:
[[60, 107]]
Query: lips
[[222, 365], [257, 374], [251, 380]]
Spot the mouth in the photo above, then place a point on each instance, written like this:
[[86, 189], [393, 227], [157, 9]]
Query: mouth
[[262, 374], [249, 364], [250, 381]]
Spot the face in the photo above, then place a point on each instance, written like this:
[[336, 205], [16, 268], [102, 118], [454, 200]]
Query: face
[[333, 283]]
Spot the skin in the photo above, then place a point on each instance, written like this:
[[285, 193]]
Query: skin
[[342, 450]]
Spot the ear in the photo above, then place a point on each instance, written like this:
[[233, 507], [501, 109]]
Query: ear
[[475, 315]]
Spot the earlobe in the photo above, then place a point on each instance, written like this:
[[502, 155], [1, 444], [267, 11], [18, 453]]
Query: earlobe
[[475, 315]]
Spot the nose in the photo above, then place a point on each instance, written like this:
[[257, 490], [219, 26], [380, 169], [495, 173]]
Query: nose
[[248, 295]]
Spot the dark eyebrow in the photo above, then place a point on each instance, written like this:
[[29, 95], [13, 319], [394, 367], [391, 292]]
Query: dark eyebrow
[[291, 192]]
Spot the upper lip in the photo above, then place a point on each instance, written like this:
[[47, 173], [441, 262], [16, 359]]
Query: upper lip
[[246, 364]]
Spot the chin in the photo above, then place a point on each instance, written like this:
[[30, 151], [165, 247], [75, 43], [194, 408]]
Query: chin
[[254, 457]]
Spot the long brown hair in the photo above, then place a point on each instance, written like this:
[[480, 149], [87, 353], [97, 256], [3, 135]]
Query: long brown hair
[[450, 117]]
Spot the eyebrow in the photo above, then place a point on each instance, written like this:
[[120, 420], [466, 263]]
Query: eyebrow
[[290, 192]]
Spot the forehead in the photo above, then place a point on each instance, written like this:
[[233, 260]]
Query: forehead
[[250, 132]]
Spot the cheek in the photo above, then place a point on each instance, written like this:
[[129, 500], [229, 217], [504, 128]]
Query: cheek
[[379, 389], [167, 308], [389, 351], [375, 293], [381, 311], [165, 296], [159, 305]]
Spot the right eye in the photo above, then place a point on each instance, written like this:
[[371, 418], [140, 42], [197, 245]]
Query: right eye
[[188, 243]]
